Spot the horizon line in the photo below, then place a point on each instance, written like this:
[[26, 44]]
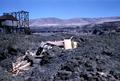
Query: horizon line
[[75, 17]]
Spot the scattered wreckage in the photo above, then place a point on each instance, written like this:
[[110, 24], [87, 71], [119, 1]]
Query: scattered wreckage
[[34, 58]]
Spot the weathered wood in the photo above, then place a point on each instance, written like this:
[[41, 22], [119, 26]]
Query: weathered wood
[[20, 66]]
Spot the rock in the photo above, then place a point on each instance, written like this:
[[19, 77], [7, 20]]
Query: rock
[[64, 75], [45, 59], [12, 50], [2, 56], [107, 53], [4, 75]]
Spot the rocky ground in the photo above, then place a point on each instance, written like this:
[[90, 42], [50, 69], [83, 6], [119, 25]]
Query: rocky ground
[[96, 59]]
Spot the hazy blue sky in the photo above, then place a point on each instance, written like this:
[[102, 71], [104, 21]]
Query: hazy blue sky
[[63, 8]]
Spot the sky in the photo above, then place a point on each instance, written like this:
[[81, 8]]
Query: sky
[[64, 9]]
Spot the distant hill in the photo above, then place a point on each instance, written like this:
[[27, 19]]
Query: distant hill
[[51, 21]]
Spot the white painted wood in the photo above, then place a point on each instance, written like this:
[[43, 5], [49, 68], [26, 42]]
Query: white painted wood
[[9, 23], [74, 44], [67, 44]]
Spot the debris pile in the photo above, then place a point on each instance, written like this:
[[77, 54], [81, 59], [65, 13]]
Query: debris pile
[[20, 66], [31, 59], [41, 56], [66, 43]]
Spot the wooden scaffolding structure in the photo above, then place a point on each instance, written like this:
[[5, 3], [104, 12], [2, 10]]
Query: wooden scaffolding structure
[[23, 19]]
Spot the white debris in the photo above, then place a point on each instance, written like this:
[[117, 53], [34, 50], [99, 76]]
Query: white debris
[[28, 52], [102, 73], [57, 43], [20, 66]]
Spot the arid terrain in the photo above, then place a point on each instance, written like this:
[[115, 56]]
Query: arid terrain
[[60, 40], [97, 58], [52, 21]]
